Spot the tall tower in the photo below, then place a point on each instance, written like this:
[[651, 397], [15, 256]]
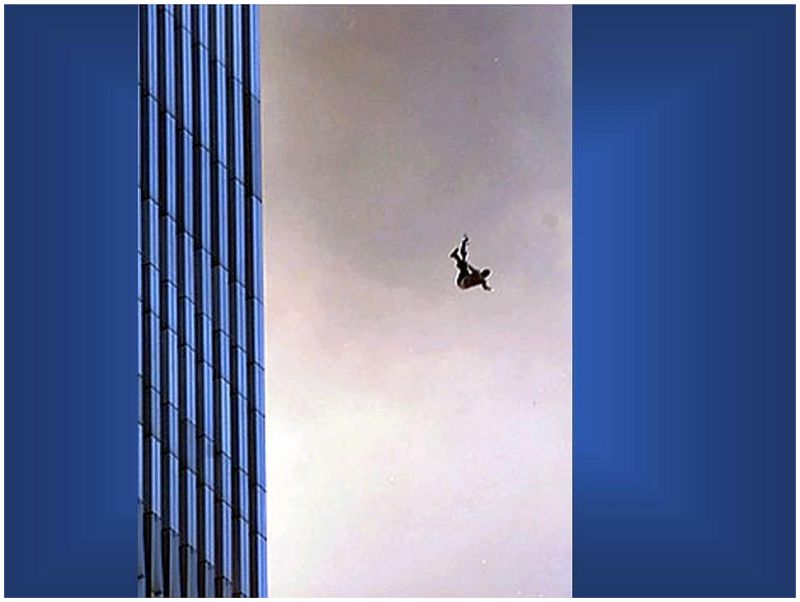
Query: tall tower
[[202, 484]]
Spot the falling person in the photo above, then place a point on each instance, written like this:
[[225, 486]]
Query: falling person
[[468, 276]]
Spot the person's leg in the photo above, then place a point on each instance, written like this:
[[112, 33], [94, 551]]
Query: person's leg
[[464, 275], [464, 248]]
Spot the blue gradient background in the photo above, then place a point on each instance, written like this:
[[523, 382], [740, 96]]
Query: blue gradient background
[[683, 301], [70, 294], [684, 457]]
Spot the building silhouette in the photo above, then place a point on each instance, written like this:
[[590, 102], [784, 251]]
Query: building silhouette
[[202, 485]]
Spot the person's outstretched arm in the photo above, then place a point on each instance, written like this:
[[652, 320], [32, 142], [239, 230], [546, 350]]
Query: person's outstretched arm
[[464, 243]]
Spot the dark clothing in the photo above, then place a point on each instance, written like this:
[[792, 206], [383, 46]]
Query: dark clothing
[[468, 276], [469, 279]]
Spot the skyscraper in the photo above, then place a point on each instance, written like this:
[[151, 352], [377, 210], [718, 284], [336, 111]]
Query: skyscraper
[[202, 485]]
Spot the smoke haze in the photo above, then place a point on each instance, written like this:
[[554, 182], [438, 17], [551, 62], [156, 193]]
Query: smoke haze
[[419, 436]]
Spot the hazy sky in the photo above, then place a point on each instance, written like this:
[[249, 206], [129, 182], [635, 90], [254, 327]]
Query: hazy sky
[[419, 436]]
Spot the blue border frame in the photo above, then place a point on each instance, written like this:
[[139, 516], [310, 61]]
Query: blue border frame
[[70, 274], [683, 301], [684, 278]]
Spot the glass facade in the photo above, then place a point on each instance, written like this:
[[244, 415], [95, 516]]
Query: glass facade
[[202, 484]]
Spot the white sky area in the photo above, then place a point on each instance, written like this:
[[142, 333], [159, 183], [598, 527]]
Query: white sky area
[[419, 436]]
